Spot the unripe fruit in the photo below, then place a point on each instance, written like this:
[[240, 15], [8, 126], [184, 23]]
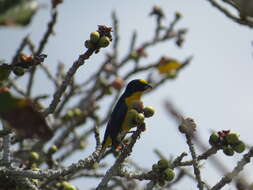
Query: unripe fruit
[[103, 42], [178, 15], [148, 111], [34, 156], [232, 138], [4, 72], [19, 71], [228, 151], [53, 149], [68, 186], [88, 44], [183, 128], [94, 37], [169, 174], [77, 112], [95, 165], [132, 116], [161, 182], [155, 167], [140, 118], [82, 144], [239, 148], [214, 139], [163, 164], [35, 169]]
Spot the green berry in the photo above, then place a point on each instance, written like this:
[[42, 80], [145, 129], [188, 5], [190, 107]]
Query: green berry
[[228, 151], [19, 71], [178, 15], [34, 156], [140, 118], [214, 139], [134, 56], [82, 144], [163, 164], [232, 138], [88, 44], [132, 116], [182, 128], [95, 165], [77, 112], [103, 42], [53, 149], [70, 114], [155, 168], [169, 174], [4, 72], [68, 186], [161, 182], [35, 169], [240, 147], [94, 37], [148, 111]]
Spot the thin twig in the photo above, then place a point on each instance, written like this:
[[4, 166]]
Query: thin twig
[[113, 170], [66, 81], [238, 168], [41, 47], [230, 15], [6, 147]]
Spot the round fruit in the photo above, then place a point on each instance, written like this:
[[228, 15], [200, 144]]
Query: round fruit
[[94, 37], [148, 111], [103, 42]]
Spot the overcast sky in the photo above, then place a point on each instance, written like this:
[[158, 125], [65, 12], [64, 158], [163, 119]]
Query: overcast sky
[[216, 89]]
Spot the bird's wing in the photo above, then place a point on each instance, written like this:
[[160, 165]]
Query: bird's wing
[[115, 123]]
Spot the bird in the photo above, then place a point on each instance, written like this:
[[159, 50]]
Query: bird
[[118, 122]]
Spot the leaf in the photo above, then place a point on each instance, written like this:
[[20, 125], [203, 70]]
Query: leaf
[[167, 65], [17, 12], [23, 116]]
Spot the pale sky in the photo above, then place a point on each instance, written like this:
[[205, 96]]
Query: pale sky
[[215, 90]]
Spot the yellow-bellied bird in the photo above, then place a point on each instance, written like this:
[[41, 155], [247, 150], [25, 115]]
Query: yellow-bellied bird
[[118, 122]]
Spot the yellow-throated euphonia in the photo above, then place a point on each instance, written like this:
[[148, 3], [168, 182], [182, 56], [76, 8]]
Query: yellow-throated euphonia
[[118, 121]]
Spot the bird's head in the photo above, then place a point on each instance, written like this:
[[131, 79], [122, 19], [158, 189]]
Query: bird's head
[[137, 85]]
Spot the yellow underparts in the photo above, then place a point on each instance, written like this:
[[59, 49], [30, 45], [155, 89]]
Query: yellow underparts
[[129, 100]]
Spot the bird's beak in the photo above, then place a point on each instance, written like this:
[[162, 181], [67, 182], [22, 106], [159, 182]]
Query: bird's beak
[[148, 87]]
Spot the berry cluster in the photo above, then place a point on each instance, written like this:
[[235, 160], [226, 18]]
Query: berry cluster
[[163, 172], [99, 39], [75, 114], [228, 141], [23, 63], [138, 113]]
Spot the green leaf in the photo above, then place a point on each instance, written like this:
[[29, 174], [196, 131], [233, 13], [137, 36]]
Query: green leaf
[[17, 12]]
